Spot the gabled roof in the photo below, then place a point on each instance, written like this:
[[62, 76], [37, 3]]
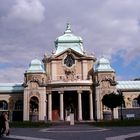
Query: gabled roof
[[11, 87], [69, 50], [128, 85]]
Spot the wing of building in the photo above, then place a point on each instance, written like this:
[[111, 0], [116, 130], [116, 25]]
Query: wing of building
[[69, 81]]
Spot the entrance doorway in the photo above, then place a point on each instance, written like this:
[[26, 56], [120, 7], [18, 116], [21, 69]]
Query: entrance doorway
[[70, 104], [55, 106], [34, 108], [85, 106]]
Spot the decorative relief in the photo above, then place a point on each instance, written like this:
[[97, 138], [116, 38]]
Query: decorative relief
[[128, 102], [129, 99], [34, 77], [105, 84], [33, 85], [70, 75], [108, 81], [34, 81], [34, 94]]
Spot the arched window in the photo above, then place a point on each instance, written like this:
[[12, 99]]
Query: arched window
[[135, 103], [19, 105], [3, 105]]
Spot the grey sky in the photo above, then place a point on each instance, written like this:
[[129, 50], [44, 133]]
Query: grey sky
[[28, 29]]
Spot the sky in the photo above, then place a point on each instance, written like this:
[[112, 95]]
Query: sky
[[28, 29]]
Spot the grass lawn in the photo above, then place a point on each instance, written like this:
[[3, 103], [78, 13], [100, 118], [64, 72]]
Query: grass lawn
[[118, 123], [115, 123], [29, 124]]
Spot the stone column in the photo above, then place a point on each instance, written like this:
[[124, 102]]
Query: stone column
[[99, 110], [79, 106], [42, 104], [49, 106], [26, 109], [61, 106], [91, 105]]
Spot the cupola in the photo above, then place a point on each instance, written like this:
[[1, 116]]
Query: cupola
[[36, 66], [103, 65]]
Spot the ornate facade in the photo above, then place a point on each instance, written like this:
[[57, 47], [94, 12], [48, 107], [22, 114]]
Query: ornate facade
[[67, 81]]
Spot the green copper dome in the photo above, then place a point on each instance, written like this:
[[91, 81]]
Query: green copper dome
[[69, 40], [35, 66], [103, 65]]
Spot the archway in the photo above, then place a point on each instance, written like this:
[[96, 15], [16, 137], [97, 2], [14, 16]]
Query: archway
[[34, 108]]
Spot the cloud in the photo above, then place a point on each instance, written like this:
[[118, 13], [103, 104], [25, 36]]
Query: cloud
[[27, 10], [12, 74], [28, 29]]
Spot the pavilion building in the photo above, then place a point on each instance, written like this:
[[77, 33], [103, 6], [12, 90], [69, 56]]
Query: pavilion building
[[67, 81]]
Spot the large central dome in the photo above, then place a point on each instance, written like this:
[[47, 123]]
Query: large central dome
[[69, 40]]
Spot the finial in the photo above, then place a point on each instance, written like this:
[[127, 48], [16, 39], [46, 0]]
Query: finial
[[68, 28]]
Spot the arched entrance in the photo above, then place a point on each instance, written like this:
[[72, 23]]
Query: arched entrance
[[34, 108]]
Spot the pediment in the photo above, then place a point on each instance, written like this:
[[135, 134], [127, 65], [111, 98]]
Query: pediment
[[68, 51]]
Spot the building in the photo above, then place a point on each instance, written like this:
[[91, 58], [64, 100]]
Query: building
[[67, 81]]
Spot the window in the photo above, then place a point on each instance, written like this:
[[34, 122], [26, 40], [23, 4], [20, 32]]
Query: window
[[135, 103], [3, 105], [69, 60], [19, 105]]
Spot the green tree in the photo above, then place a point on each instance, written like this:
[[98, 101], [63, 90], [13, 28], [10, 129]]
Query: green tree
[[112, 101]]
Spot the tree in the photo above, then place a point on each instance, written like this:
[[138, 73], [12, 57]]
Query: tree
[[112, 101]]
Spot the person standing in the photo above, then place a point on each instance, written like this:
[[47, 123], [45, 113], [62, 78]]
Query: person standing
[[7, 128], [2, 124]]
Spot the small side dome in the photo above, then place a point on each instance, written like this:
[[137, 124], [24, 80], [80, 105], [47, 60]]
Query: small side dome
[[35, 62], [35, 66], [103, 61], [103, 65]]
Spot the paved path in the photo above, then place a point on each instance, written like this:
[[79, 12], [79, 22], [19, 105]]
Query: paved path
[[131, 136], [76, 132]]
